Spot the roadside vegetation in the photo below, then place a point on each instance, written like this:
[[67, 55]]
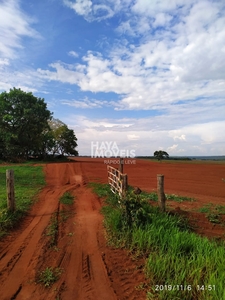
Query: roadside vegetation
[[58, 217], [67, 198], [49, 276], [214, 213], [179, 263], [179, 199], [28, 182]]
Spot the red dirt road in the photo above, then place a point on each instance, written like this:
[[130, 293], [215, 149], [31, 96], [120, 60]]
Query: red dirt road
[[91, 269]]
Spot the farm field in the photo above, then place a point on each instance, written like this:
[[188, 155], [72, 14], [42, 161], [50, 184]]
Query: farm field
[[87, 267]]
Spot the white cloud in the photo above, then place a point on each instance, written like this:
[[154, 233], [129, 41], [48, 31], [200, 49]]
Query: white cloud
[[126, 28], [73, 54], [4, 62], [26, 79], [175, 150], [162, 19], [14, 25], [145, 135], [182, 137], [133, 137], [172, 148], [173, 65], [86, 103], [183, 62], [143, 7], [96, 10], [81, 7], [64, 73]]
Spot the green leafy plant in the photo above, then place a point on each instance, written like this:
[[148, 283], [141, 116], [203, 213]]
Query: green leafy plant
[[67, 198], [52, 229], [213, 212], [214, 218], [206, 209], [49, 276], [177, 198], [135, 212]]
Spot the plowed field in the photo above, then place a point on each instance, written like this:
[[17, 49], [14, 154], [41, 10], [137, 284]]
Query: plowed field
[[89, 268]]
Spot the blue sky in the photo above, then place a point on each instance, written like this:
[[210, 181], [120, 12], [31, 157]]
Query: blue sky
[[146, 74]]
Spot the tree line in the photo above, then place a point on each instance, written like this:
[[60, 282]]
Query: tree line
[[28, 129]]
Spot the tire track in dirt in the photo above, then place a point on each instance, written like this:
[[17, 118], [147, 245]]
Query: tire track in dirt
[[90, 269], [86, 276], [20, 254]]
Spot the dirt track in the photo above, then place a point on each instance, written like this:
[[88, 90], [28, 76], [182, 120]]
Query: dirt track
[[90, 269]]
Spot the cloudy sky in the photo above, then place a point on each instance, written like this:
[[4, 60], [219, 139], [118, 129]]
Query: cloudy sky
[[146, 74]]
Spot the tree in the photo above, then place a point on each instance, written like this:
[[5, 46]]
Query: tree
[[23, 119], [64, 139], [161, 154]]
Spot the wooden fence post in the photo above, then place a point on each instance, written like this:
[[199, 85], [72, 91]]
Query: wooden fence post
[[10, 190], [160, 190], [124, 184], [121, 165]]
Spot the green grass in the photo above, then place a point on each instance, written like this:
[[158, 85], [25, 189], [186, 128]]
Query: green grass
[[52, 229], [102, 190], [177, 198], [175, 255], [210, 208], [67, 198], [58, 217], [213, 212], [206, 208], [49, 276], [28, 182]]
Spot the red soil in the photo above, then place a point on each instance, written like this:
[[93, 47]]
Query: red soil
[[90, 268]]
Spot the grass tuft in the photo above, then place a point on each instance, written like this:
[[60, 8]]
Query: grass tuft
[[49, 276], [67, 198], [177, 198], [213, 212]]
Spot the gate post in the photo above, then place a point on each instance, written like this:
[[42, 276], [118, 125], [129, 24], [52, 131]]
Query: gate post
[[124, 184], [121, 165]]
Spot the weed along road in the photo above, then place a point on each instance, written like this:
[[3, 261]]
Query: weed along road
[[59, 250]]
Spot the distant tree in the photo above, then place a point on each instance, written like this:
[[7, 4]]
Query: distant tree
[[23, 119], [47, 143], [161, 154], [2, 148], [64, 139]]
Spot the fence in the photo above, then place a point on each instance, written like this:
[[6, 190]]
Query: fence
[[160, 191], [117, 181], [10, 190], [118, 185]]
